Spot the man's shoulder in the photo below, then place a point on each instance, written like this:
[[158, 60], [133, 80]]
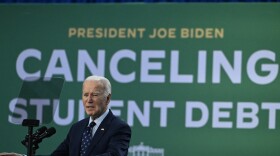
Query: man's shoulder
[[114, 118], [81, 122], [118, 121]]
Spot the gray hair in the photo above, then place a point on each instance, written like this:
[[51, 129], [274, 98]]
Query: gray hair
[[106, 83]]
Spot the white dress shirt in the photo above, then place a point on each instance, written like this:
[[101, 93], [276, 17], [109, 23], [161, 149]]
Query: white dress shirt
[[98, 121]]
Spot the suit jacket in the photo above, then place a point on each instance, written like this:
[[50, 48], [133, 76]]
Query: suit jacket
[[110, 139]]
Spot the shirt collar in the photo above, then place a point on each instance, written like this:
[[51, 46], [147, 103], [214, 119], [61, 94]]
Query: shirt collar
[[100, 119]]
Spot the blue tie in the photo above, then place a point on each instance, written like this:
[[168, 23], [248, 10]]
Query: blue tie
[[86, 138]]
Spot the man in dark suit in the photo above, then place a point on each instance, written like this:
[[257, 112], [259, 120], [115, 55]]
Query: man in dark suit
[[102, 133]]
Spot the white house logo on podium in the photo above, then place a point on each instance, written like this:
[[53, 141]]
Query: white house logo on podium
[[142, 150]]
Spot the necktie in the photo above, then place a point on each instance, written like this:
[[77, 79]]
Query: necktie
[[86, 138]]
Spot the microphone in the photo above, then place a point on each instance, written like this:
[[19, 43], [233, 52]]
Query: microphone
[[49, 132], [34, 135]]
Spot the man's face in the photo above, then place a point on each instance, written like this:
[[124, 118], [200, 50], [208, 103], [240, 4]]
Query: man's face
[[94, 100]]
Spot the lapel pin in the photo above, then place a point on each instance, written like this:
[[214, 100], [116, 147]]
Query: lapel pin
[[102, 129]]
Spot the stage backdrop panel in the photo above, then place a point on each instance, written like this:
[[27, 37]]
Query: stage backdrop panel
[[190, 79]]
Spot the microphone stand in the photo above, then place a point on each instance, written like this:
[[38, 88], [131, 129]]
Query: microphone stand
[[30, 123]]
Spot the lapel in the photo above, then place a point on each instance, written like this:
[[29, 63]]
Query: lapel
[[79, 134], [102, 129]]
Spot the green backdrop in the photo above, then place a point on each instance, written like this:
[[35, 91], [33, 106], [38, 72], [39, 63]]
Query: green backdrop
[[206, 84]]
